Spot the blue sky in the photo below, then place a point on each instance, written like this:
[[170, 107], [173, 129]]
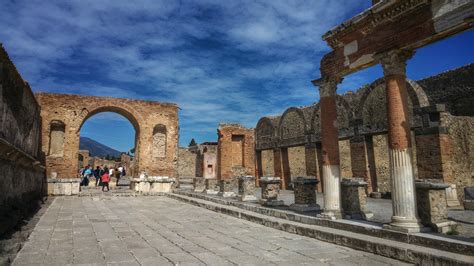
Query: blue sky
[[220, 61]]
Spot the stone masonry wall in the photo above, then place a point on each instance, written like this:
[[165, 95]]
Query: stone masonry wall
[[156, 126], [236, 154], [21, 173], [186, 163], [345, 158], [297, 162]]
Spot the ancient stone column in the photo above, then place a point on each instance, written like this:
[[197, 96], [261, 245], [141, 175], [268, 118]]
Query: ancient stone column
[[330, 147], [247, 188], [270, 189], [405, 217]]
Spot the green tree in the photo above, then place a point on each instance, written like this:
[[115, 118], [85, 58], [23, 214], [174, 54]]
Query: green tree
[[192, 143]]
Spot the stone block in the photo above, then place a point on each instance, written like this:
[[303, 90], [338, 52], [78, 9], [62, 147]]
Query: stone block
[[354, 201], [199, 184], [432, 207], [270, 189], [452, 196], [63, 186], [212, 186], [247, 188], [305, 194], [227, 187]]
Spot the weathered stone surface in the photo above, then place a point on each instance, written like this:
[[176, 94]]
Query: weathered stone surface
[[199, 184], [227, 187], [247, 188], [270, 188], [354, 199], [432, 208], [305, 194], [212, 186], [21, 171], [63, 186], [156, 126], [152, 184]]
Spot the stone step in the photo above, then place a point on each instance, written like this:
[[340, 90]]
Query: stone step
[[404, 251]]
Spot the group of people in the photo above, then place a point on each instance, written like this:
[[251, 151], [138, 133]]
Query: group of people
[[102, 175]]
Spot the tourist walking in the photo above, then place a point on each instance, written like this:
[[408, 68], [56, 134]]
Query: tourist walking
[[117, 175], [97, 174], [105, 179]]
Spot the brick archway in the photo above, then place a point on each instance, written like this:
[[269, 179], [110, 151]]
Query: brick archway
[[145, 116]]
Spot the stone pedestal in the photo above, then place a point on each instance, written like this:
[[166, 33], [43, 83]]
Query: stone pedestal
[[63, 186], [305, 194], [227, 187], [199, 184], [270, 188], [212, 186], [432, 208], [247, 188], [452, 196], [354, 200], [152, 184], [469, 198]]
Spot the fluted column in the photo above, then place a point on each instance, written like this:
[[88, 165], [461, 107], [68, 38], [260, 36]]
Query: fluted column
[[330, 147], [405, 215]]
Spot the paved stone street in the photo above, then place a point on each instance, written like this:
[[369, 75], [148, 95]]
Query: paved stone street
[[162, 231]]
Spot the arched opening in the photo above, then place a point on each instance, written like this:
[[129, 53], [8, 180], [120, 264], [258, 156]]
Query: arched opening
[[111, 138]]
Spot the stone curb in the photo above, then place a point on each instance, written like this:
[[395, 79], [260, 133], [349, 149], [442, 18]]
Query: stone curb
[[429, 241], [384, 247]]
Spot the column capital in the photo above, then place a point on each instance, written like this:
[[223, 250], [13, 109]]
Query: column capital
[[327, 85], [394, 62]]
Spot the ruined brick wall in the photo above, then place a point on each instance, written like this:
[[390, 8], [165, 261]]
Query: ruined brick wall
[[22, 175], [156, 126], [236, 154], [345, 158], [382, 163], [453, 88], [186, 163]]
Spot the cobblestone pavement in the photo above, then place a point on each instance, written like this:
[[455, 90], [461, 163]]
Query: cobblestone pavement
[[162, 231]]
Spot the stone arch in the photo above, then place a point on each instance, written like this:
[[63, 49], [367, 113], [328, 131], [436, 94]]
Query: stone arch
[[344, 115], [160, 134], [265, 130], [56, 138], [292, 124], [371, 109]]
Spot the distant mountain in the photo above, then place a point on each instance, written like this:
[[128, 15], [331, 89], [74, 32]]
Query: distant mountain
[[96, 148]]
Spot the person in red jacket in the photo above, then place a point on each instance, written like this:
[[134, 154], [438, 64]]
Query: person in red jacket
[[105, 179]]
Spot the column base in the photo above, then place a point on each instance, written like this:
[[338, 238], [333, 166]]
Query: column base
[[212, 192], [331, 214], [271, 203], [228, 194], [305, 207], [248, 198], [363, 215], [406, 226]]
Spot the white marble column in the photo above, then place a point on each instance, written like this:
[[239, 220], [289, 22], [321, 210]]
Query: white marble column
[[330, 147], [405, 217]]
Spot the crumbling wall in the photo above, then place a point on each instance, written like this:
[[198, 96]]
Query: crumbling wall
[[345, 158], [461, 135], [186, 163], [22, 174], [268, 168]]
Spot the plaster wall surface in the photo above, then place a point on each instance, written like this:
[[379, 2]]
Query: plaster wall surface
[[21, 173]]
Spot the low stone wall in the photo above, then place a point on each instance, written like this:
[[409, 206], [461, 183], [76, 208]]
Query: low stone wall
[[63, 186], [152, 185]]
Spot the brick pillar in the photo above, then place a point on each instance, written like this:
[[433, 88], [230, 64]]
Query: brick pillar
[[277, 166], [319, 164], [405, 217], [330, 147], [310, 159], [434, 151], [285, 165], [259, 168], [360, 161]]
